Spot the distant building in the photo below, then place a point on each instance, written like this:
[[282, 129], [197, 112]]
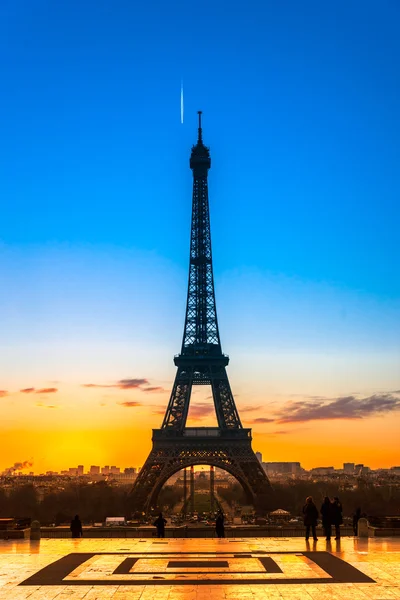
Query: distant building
[[114, 470], [282, 468], [322, 471], [259, 456], [348, 468], [80, 470], [72, 471], [94, 470], [105, 470], [123, 477], [130, 470]]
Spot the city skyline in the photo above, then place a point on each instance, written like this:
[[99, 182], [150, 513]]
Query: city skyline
[[95, 228], [270, 466]]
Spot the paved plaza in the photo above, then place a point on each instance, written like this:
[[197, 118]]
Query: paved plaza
[[200, 569]]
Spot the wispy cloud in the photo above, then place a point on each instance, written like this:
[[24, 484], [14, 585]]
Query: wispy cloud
[[32, 390], [287, 431], [260, 420], [155, 389], [95, 385], [128, 384], [198, 411], [3, 393], [348, 407], [130, 404], [122, 384], [41, 405], [244, 409]]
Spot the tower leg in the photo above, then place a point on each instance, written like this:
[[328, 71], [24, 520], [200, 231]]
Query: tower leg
[[192, 490], [184, 492], [225, 408], [212, 489]]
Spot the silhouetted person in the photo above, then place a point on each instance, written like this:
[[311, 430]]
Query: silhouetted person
[[326, 515], [76, 527], [356, 518], [310, 512], [160, 523], [219, 525], [337, 516]]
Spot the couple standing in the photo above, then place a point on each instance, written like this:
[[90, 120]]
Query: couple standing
[[331, 513]]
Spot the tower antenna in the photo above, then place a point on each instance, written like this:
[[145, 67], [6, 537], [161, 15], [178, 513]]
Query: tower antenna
[[200, 135]]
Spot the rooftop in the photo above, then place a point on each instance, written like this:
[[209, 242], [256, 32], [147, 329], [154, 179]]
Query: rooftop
[[253, 568]]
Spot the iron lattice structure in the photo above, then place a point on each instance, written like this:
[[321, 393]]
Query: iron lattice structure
[[201, 362]]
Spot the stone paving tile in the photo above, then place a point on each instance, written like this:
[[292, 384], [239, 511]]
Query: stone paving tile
[[245, 577]]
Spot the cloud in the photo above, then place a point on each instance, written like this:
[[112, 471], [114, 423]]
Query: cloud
[[261, 420], [41, 405], [154, 389], [46, 391], [128, 384], [250, 408], [292, 430], [3, 393], [130, 404], [122, 384], [198, 411], [348, 407], [95, 385], [27, 390]]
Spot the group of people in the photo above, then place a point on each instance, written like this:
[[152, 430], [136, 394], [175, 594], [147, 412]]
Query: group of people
[[331, 515]]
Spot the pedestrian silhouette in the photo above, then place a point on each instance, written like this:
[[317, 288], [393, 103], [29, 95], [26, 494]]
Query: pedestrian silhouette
[[337, 516], [76, 527], [219, 525], [160, 523], [310, 512], [356, 518], [326, 515]]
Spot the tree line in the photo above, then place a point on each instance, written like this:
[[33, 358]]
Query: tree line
[[95, 502]]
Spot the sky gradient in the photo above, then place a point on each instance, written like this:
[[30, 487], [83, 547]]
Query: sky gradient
[[301, 115]]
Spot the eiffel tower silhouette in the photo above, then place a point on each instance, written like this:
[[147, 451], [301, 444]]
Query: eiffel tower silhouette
[[201, 362]]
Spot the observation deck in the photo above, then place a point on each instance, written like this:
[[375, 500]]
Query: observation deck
[[203, 433]]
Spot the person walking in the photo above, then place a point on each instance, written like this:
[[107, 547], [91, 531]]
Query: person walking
[[219, 525], [356, 518], [310, 512], [326, 515], [160, 523], [76, 527], [337, 516]]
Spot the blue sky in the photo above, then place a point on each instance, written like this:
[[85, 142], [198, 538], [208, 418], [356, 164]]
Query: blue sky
[[300, 105], [301, 113]]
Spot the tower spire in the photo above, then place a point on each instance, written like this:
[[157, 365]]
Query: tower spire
[[200, 131]]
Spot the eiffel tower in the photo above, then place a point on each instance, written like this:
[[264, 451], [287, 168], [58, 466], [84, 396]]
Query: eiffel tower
[[201, 362]]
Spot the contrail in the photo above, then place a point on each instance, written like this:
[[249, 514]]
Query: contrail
[[182, 102]]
